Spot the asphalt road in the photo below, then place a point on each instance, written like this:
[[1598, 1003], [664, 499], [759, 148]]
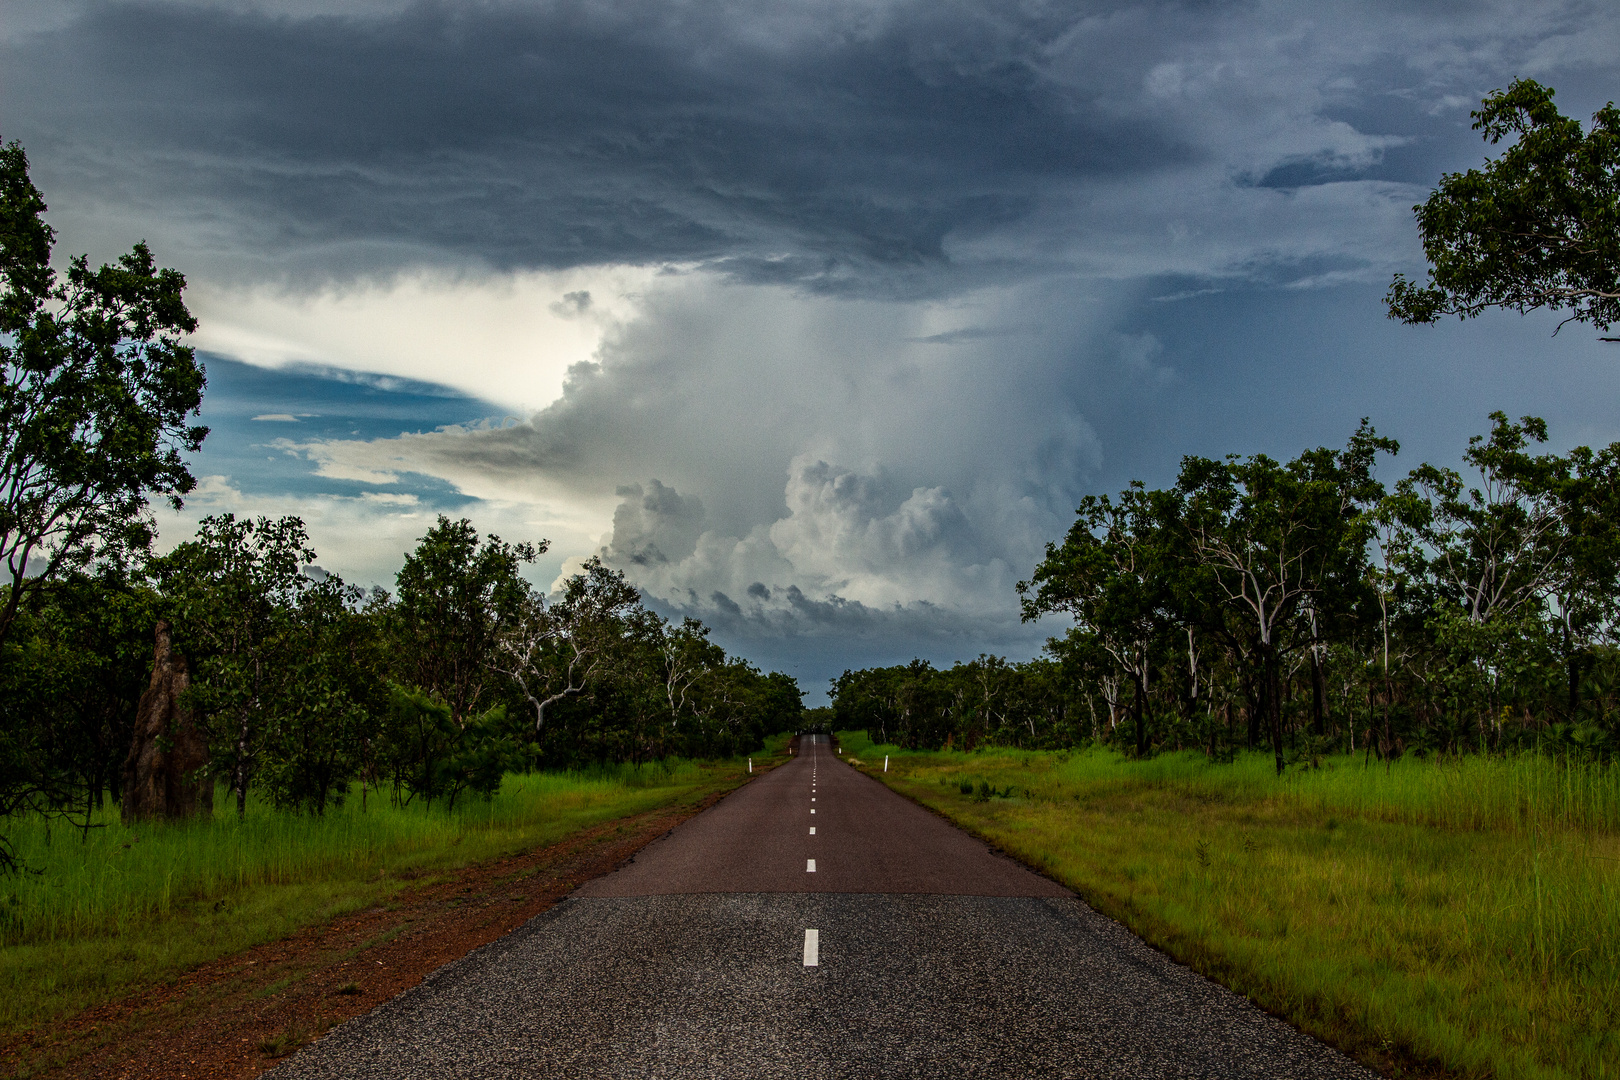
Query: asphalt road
[[930, 956]]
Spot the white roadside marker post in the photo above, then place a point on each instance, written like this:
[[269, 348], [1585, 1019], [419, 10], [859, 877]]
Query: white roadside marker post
[[750, 766], [885, 762]]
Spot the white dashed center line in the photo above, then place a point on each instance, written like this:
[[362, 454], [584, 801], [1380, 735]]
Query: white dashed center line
[[812, 809], [809, 866], [812, 948], [812, 830]]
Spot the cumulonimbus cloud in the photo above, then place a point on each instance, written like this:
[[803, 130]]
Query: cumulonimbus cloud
[[734, 429]]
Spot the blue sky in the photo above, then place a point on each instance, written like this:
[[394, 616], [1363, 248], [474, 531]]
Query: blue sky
[[253, 412], [816, 318]]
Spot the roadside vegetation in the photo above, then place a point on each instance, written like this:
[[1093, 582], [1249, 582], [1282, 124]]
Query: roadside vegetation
[[1308, 609], [119, 906], [233, 661], [1461, 913]]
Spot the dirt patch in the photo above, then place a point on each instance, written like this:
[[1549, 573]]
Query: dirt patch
[[239, 1015]]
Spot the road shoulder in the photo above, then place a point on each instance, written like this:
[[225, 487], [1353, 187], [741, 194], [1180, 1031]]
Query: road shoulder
[[237, 1016]]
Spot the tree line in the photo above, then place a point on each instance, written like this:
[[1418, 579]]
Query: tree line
[[303, 685], [1299, 605], [1305, 607]]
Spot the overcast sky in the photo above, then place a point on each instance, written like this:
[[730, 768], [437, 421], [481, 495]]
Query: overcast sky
[[815, 318]]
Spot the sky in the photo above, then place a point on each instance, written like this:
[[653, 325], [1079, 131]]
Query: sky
[[817, 319]]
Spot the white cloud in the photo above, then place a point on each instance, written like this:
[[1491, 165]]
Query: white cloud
[[508, 339], [799, 464]]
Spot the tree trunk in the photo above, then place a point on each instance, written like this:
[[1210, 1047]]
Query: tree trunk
[[1318, 696], [1258, 708], [1274, 707], [1388, 747], [1574, 686], [239, 774], [1141, 718], [1372, 727]]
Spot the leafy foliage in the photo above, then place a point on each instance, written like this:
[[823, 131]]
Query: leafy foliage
[[95, 391], [455, 597], [1304, 606], [1539, 227]]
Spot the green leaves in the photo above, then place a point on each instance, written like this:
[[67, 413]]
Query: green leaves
[[96, 386], [1538, 227], [1496, 547], [287, 670], [456, 597], [432, 756]]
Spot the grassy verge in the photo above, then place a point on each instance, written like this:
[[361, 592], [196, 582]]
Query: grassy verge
[[1459, 916], [104, 912]]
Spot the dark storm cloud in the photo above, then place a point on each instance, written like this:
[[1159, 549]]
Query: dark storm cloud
[[1033, 250], [570, 134]]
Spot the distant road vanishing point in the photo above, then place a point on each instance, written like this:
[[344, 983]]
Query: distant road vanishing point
[[815, 924]]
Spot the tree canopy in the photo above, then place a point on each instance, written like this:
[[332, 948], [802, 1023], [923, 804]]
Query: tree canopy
[[1538, 227], [1304, 608], [96, 387]]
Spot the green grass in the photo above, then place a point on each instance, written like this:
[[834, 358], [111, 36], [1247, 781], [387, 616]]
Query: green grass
[[1460, 914], [100, 913]]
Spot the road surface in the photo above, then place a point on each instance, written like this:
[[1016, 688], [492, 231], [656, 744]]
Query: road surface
[[815, 924]]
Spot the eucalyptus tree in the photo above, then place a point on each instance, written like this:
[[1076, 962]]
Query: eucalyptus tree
[[1394, 576], [71, 673], [1280, 541], [1083, 662], [1503, 551], [867, 700], [553, 651], [237, 588], [989, 683], [686, 657], [92, 634], [96, 388], [325, 727], [1585, 594], [1539, 227], [923, 703], [1496, 548], [1041, 700], [1113, 574], [736, 705], [457, 600]]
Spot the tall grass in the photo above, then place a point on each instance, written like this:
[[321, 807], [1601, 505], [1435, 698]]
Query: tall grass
[[102, 911], [1465, 913], [108, 878], [1526, 792]]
